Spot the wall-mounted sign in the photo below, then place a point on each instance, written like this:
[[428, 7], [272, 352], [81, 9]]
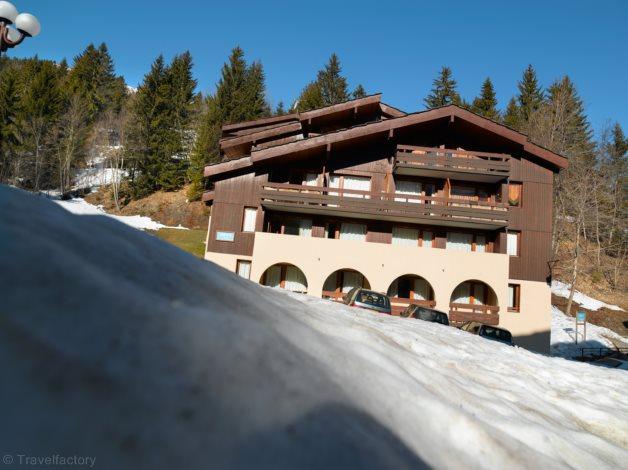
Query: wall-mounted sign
[[225, 236]]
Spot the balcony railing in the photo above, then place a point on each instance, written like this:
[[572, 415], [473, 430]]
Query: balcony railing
[[461, 313], [456, 164], [384, 206]]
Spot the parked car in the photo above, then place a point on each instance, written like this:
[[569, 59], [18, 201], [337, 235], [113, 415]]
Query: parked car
[[425, 314], [489, 332], [368, 299]]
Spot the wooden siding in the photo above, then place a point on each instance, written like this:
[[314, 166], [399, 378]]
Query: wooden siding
[[533, 218], [231, 196]]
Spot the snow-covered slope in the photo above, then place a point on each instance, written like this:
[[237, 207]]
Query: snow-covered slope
[[116, 345], [564, 335], [562, 290], [82, 207]]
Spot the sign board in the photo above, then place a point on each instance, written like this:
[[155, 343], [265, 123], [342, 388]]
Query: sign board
[[581, 320], [225, 236]]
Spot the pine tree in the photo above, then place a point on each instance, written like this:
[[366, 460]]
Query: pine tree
[[561, 123], [486, 103], [359, 92], [9, 109], [329, 88], [279, 110], [93, 79], [310, 98], [149, 138], [333, 85], [40, 106], [240, 96], [254, 103], [443, 91], [530, 96], [512, 116]]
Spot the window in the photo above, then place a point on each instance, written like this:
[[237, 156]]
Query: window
[[512, 243], [350, 231], [463, 192], [514, 194], [248, 221], [480, 243], [514, 297], [295, 280], [243, 268], [311, 179], [470, 292], [273, 276], [427, 241], [300, 227], [410, 189], [405, 236], [459, 241], [351, 279]]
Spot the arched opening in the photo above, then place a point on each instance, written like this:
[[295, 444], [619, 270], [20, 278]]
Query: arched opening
[[410, 289], [285, 276], [342, 281], [474, 301]]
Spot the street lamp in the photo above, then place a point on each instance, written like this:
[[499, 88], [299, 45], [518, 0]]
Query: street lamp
[[24, 24]]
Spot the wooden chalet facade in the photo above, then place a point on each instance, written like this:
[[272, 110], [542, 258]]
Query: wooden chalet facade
[[441, 208]]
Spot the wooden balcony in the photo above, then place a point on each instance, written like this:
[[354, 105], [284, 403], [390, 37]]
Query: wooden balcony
[[384, 206], [462, 313], [455, 164]]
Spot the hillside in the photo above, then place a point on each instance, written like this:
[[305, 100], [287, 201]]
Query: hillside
[[116, 345], [169, 208]]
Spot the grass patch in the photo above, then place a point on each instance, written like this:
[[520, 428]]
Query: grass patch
[[192, 241]]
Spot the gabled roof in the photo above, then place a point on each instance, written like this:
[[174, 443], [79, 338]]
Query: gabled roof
[[396, 121]]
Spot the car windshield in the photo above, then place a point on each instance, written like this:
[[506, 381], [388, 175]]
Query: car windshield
[[373, 298], [497, 333]]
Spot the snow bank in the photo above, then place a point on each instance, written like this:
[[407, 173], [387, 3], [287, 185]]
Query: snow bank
[[116, 345], [564, 335], [82, 207], [562, 290]]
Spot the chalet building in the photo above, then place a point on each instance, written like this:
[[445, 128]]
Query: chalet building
[[441, 208]]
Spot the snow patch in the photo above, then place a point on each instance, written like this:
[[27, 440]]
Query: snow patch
[[564, 336], [95, 177], [562, 290], [117, 345], [80, 206]]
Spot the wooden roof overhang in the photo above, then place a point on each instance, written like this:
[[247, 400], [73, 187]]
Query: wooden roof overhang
[[230, 130], [475, 123], [240, 145]]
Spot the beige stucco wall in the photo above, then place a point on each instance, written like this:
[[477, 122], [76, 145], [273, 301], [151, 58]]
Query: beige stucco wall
[[382, 263], [532, 325]]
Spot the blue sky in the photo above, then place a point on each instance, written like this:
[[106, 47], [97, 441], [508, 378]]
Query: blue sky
[[393, 47]]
